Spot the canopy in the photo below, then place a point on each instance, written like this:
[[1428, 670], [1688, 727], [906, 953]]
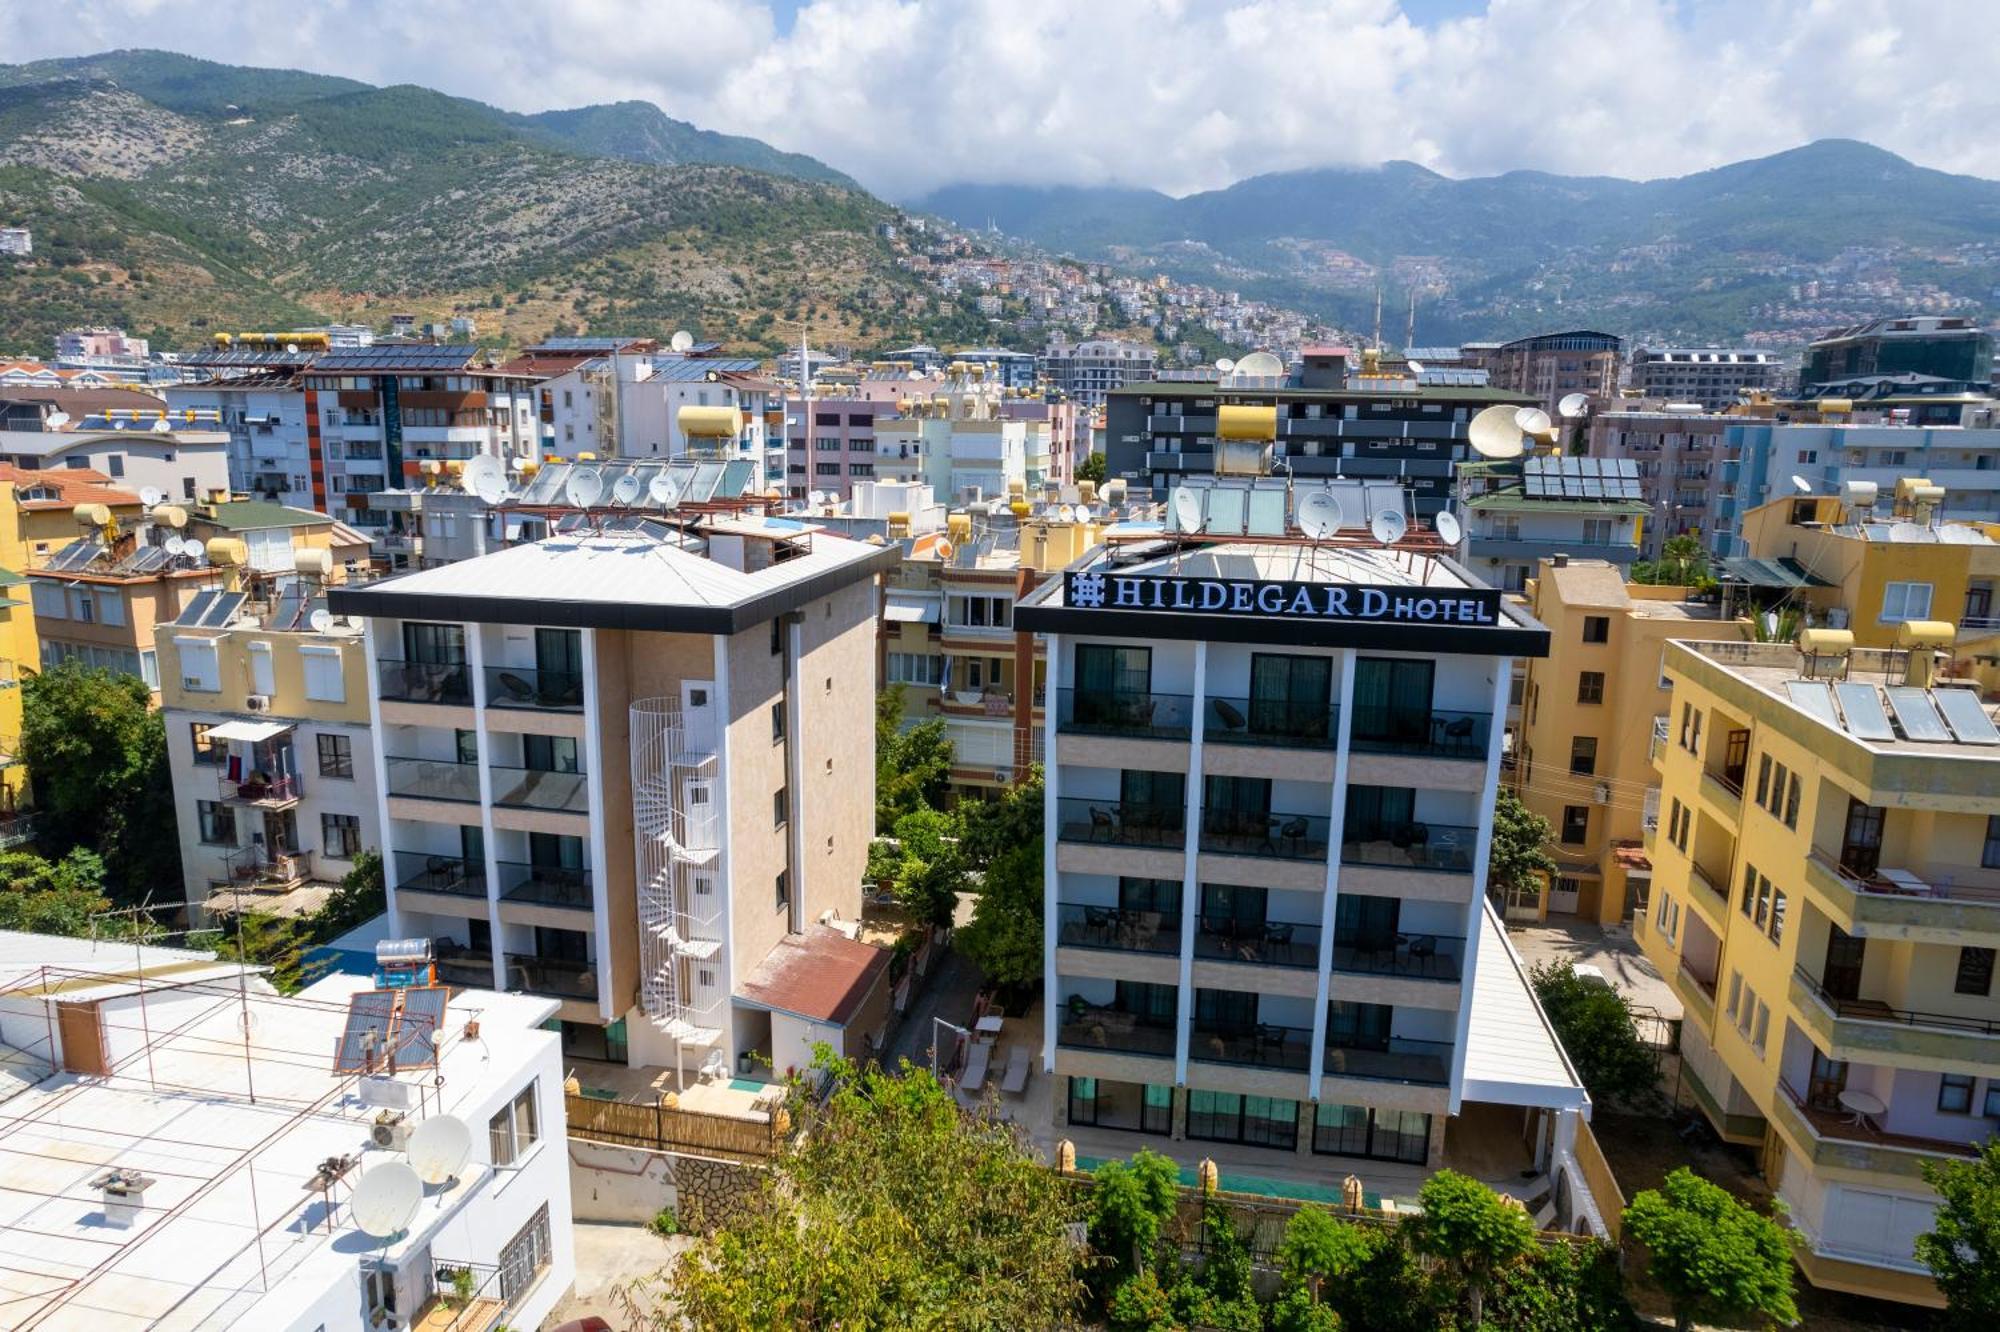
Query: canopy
[[251, 731], [912, 607]]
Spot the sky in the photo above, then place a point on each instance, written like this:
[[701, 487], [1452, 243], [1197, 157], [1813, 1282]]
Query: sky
[[1176, 95]]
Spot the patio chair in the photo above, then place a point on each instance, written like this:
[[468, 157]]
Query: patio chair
[[1015, 1080], [517, 689], [1423, 951], [976, 1062], [1226, 713], [1101, 818], [1294, 832]]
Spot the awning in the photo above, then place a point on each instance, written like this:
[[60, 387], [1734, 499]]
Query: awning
[[248, 730], [912, 608], [1780, 573]]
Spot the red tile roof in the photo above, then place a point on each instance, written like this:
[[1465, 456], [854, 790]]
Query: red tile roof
[[76, 485], [1630, 855], [822, 975]]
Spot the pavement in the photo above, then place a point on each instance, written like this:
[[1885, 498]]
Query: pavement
[[946, 993], [608, 1257], [1612, 951]]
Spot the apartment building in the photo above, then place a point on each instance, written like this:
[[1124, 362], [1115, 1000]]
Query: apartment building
[[1714, 377], [1272, 770], [1582, 750], [1948, 347], [1087, 372], [272, 453], [1550, 366], [137, 445], [958, 439], [17, 241], [1824, 905], [1518, 513], [625, 770], [1684, 466]]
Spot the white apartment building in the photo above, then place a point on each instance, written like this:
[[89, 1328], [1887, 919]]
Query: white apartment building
[[1711, 376], [640, 418], [1086, 371], [271, 454]]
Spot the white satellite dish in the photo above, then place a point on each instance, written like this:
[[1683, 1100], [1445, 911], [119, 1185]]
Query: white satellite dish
[[584, 487], [439, 1148], [322, 620], [151, 496], [1319, 514], [1187, 510], [663, 490], [1260, 364], [56, 420], [1803, 486], [1532, 420], [1224, 364], [1416, 368], [196, 556], [173, 545], [162, 426], [386, 1199], [1572, 405], [625, 489], [1389, 526], [484, 476], [292, 348], [1494, 433], [681, 340], [1447, 528], [1066, 514]]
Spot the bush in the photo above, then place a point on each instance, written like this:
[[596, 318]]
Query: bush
[[1594, 1023], [1140, 1305], [664, 1223], [1131, 1202]]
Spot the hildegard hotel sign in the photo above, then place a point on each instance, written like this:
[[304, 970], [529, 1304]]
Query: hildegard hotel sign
[[1279, 600]]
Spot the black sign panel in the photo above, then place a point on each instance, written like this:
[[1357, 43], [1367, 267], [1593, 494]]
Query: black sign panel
[[1281, 600]]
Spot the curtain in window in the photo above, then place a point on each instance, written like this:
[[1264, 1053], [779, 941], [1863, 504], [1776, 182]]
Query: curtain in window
[[1290, 695], [1392, 698]]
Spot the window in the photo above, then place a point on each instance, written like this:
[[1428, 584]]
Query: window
[[218, 822], [1382, 1135], [1598, 531], [1259, 1121], [1763, 779], [1975, 971], [200, 671], [205, 749], [1760, 1031], [1777, 916], [1735, 993], [1590, 687], [526, 1256], [324, 681], [263, 670], [1597, 628], [916, 668], [1583, 755], [784, 890], [777, 723], [340, 836], [336, 755], [1749, 902], [1791, 815], [1905, 601], [1954, 1094], [779, 803], [1576, 824], [1989, 854], [516, 1128]]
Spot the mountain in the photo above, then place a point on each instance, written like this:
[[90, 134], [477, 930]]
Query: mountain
[[177, 196], [1770, 248]]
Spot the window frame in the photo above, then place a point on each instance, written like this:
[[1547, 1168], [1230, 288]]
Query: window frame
[[515, 1149]]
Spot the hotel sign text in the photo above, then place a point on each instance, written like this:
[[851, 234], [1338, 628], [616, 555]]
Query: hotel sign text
[[1281, 600]]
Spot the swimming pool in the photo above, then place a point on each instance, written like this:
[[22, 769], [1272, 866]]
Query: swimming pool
[[1298, 1190]]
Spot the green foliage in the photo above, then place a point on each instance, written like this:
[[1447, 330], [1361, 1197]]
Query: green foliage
[[53, 897], [1962, 1248], [1682, 563], [930, 871], [1319, 1247], [1561, 1288], [270, 941], [360, 897], [1717, 1260], [97, 756], [892, 1208], [1520, 856], [1092, 468], [1295, 1310], [1141, 1304], [1218, 1294], [1594, 1023], [664, 1223], [1131, 1203], [1468, 1227], [1394, 1290], [912, 767], [1003, 845]]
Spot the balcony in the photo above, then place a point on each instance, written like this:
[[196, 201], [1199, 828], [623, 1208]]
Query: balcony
[[1433, 734], [546, 885], [539, 690], [1250, 832], [1842, 1139], [1408, 956], [254, 867], [1400, 1059], [1081, 819], [1272, 943], [1265, 1045], [453, 876], [1874, 1010], [1116, 930], [1710, 879], [1271, 721], [474, 1302], [1724, 789], [1132, 714], [1702, 978], [559, 977], [433, 779], [1909, 902], [540, 788], [263, 792], [424, 681], [1087, 1027], [466, 970], [1441, 847], [18, 827]]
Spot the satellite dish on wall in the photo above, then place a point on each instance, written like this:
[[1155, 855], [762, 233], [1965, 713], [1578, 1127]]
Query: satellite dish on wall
[[151, 496], [439, 1148], [681, 340], [625, 489], [1447, 527], [386, 1199], [486, 477], [1187, 510], [1572, 405], [584, 487], [1803, 486], [1319, 514], [1532, 420], [1389, 526], [1494, 434], [322, 620]]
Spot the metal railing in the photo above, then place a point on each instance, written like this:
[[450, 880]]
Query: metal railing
[[1706, 984], [1110, 1029], [1400, 1059], [540, 788], [527, 687], [423, 681], [254, 864], [1427, 846], [455, 876], [1080, 819], [280, 790], [1874, 1010], [546, 885], [433, 779], [551, 975], [1411, 955], [466, 969], [1428, 732], [1277, 722], [1265, 833], [1124, 712], [1264, 1045], [1117, 930], [1276, 943]]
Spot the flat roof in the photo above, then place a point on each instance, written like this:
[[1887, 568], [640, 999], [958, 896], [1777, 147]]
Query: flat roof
[[1423, 392], [620, 580], [252, 515], [1512, 1056]]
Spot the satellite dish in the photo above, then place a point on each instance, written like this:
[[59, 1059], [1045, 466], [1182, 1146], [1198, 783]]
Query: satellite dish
[[1066, 514], [1415, 367], [1319, 514], [1389, 526], [322, 620], [681, 340], [1224, 364], [663, 490], [386, 1199], [1187, 510], [1908, 532], [292, 349], [1572, 405], [1494, 433], [584, 487], [439, 1148], [151, 496], [57, 419], [198, 557], [173, 545], [1803, 486], [484, 476], [1447, 528], [1532, 420], [626, 488], [162, 426], [1260, 364]]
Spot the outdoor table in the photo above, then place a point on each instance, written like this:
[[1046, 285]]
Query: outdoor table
[[1861, 1104]]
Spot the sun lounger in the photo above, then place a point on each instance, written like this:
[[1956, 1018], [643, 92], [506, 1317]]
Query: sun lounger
[[975, 1066], [1016, 1079]]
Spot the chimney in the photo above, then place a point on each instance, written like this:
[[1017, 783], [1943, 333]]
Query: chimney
[[124, 1194], [1559, 560]]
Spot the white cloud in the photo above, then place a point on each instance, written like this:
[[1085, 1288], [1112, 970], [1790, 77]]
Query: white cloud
[[1177, 94]]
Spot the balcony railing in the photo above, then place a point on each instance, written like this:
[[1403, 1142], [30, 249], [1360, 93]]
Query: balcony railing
[[1410, 955], [1706, 877], [1265, 1045], [424, 681], [1433, 733], [1916, 884], [454, 876], [1080, 819], [267, 792], [1273, 943], [253, 865], [433, 779], [1117, 930], [1426, 846], [550, 975], [1703, 980], [539, 788], [1874, 1010], [545, 885], [1845, 1126], [526, 687], [1271, 721], [1427, 1063], [468, 969], [1124, 712], [1252, 832], [1087, 1028]]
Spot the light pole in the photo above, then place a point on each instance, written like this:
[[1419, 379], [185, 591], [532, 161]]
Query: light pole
[[937, 1022]]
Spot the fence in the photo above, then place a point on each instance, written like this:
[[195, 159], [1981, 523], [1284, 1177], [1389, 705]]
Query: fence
[[664, 1128], [1597, 1177]]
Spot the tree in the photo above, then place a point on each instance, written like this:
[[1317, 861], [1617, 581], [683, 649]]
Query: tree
[[360, 897], [97, 756], [929, 869], [1469, 1227], [1520, 859], [1003, 845], [892, 1208], [1682, 563], [1130, 1205], [1319, 1247], [1717, 1260], [1594, 1023], [912, 767], [1561, 1288], [1092, 468], [52, 897], [263, 940], [1962, 1248]]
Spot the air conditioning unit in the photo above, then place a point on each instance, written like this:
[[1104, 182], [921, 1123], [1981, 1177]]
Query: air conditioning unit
[[1003, 774], [258, 702], [193, 682], [389, 1133]]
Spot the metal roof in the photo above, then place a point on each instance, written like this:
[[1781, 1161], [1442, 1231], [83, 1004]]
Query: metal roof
[[398, 356], [1786, 573]]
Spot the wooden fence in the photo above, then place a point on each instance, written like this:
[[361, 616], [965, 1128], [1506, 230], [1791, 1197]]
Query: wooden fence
[[1597, 1177], [670, 1129]]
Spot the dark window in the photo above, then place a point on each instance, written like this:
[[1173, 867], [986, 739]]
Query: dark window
[[1955, 1094], [340, 835], [778, 808], [1590, 687], [784, 891], [1583, 755], [218, 822], [1382, 1135], [1259, 1121], [217, 751], [1576, 824], [1597, 628], [549, 753], [1975, 971], [777, 722], [1989, 855], [1132, 1106], [336, 755]]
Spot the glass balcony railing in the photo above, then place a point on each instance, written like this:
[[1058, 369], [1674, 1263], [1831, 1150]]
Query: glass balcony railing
[[433, 779], [1426, 846], [466, 969], [550, 975], [1265, 1045], [418, 872], [1407, 954], [1115, 930], [424, 681], [1421, 731], [1123, 712], [1080, 819], [1398, 1059], [1268, 942], [538, 788], [1243, 832], [1088, 1028], [1271, 721], [545, 885], [526, 687]]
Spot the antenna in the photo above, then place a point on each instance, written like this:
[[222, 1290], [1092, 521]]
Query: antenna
[[1572, 405], [1319, 514], [584, 487], [1187, 510], [386, 1199], [1803, 486], [322, 620], [150, 496], [1447, 527], [1494, 434], [439, 1148], [625, 489], [1389, 526]]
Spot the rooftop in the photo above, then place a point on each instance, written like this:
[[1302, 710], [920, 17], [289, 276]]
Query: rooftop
[[1426, 392], [822, 975], [253, 515], [1512, 1055], [73, 486]]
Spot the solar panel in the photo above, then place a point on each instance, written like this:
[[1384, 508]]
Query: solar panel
[[707, 476], [371, 1017], [76, 555], [1811, 697], [225, 606], [287, 612], [1861, 704], [143, 560], [191, 613], [1915, 714], [417, 1031], [391, 356], [1267, 512], [1967, 716], [1225, 511], [737, 477]]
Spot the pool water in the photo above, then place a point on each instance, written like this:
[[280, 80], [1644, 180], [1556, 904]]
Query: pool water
[[1230, 1182], [751, 1085]]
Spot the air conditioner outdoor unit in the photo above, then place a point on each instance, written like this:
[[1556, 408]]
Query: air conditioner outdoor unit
[[258, 702], [192, 682], [389, 1133]]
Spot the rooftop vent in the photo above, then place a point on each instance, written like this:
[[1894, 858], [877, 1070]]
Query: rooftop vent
[[124, 1194]]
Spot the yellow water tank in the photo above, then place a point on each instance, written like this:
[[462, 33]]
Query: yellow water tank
[[1835, 406], [226, 551], [711, 422], [1240, 420], [93, 515], [1926, 633], [1826, 642], [173, 515]]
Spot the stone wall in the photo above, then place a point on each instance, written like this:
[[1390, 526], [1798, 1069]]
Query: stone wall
[[631, 1185]]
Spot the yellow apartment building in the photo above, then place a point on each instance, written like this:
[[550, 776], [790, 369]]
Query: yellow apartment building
[[1587, 720], [1826, 904]]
